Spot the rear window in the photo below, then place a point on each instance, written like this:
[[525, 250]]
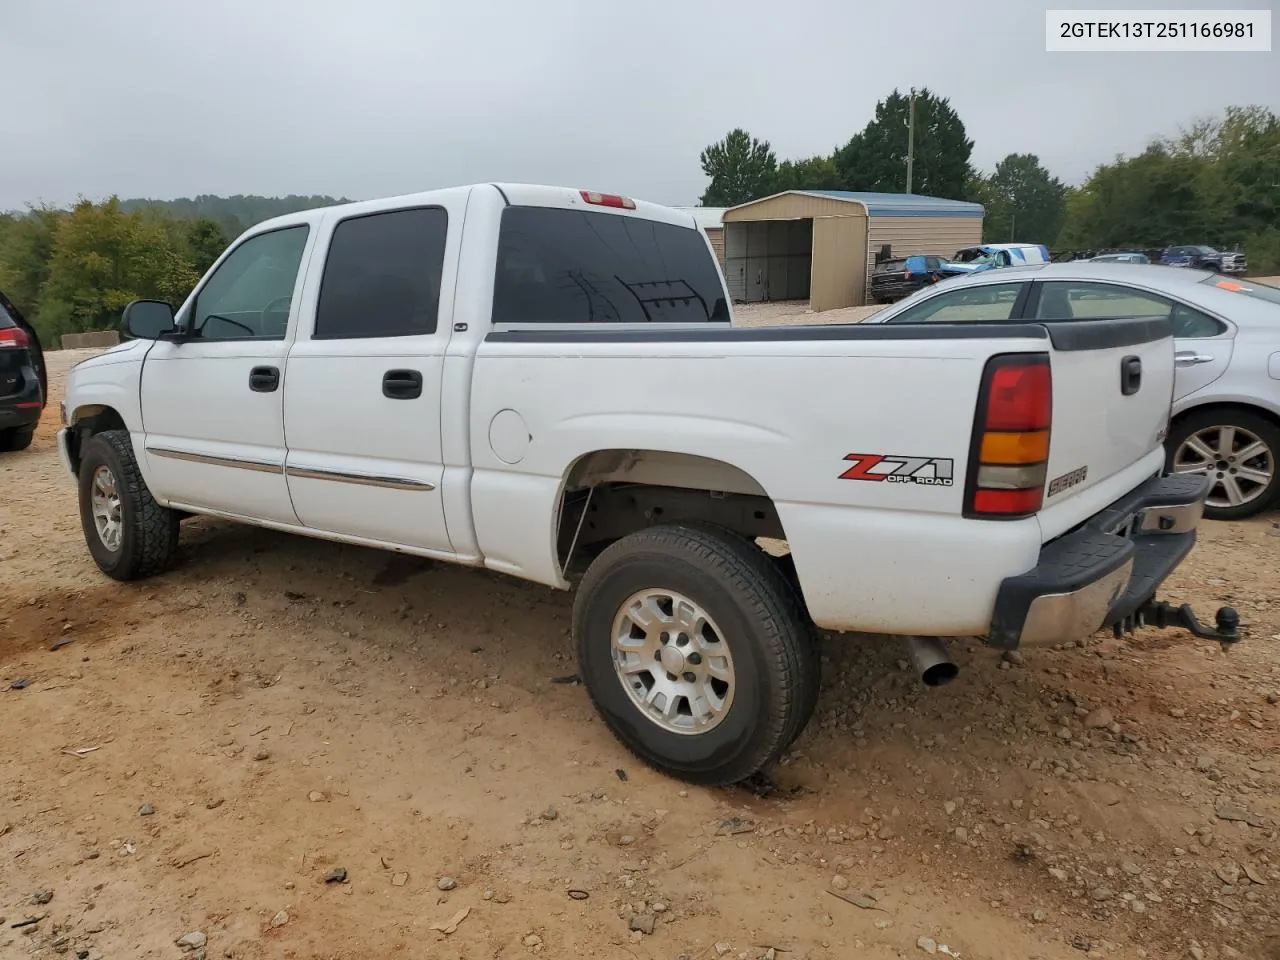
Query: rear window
[[1259, 291], [891, 266], [578, 266]]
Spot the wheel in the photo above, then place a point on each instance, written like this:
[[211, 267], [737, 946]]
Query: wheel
[[16, 438], [129, 535], [1239, 449], [695, 651]]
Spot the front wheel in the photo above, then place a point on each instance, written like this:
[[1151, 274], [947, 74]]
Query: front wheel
[[696, 652], [129, 535], [1238, 450]]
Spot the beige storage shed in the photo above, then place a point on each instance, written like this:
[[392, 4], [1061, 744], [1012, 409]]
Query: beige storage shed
[[821, 245]]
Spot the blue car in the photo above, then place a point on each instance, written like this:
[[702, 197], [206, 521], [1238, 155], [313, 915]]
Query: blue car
[[990, 256]]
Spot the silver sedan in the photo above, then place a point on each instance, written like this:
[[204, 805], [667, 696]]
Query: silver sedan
[[1226, 404]]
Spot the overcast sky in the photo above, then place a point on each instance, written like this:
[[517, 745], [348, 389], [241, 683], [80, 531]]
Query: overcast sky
[[362, 98]]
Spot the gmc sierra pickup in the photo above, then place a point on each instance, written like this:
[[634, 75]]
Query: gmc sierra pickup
[[548, 383]]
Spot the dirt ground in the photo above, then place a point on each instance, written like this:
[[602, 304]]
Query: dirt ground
[[192, 756]]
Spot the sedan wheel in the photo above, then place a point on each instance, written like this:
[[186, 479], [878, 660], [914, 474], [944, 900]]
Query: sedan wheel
[[1238, 452]]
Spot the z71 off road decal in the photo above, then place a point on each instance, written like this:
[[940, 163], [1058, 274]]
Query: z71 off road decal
[[927, 471]]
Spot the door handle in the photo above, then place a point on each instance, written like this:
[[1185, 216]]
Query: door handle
[[1188, 358], [1130, 375], [264, 379], [402, 384]]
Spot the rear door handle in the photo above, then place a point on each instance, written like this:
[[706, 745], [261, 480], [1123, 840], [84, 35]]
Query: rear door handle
[[402, 384], [1189, 358], [264, 379], [1130, 375]]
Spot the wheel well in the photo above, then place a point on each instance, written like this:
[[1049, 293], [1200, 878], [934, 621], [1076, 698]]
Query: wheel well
[[86, 422], [1263, 412], [611, 493]]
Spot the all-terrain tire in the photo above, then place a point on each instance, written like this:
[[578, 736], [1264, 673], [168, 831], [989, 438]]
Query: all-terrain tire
[[16, 438], [755, 613], [812, 678], [1199, 421], [148, 542]]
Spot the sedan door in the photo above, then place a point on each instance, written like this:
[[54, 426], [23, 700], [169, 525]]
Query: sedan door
[[1202, 343]]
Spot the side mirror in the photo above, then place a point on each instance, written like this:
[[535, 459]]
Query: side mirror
[[148, 319]]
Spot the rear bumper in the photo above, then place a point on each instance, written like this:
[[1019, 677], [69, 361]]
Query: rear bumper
[[1103, 571], [23, 408]]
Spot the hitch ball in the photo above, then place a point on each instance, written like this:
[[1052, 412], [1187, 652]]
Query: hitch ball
[[1227, 621]]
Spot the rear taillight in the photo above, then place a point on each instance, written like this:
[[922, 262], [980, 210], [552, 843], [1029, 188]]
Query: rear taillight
[[14, 338], [607, 200], [1010, 455]]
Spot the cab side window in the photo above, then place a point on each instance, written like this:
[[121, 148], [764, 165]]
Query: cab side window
[[989, 303], [249, 295], [382, 276]]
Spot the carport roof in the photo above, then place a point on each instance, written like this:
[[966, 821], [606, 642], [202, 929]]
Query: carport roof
[[889, 204]]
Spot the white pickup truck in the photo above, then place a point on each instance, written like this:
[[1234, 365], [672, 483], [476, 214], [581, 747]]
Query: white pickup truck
[[548, 383]]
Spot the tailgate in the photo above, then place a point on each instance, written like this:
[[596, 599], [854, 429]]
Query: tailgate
[[1112, 393]]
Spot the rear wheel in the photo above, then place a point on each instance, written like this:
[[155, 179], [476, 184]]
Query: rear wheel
[[129, 535], [16, 438], [1237, 449], [695, 651]]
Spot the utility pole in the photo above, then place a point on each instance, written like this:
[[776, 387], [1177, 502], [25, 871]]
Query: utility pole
[[911, 138], [1013, 223]]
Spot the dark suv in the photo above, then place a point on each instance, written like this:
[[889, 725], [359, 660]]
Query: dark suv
[[23, 381], [1198, 256]]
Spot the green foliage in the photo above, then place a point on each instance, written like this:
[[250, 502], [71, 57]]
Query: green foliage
[[812, 173], [1024, 202], [876, 158], [741, 168], [75, 270], [1217, 182], [233, 214]]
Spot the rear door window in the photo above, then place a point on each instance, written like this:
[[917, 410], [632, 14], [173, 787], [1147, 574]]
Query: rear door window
[[579, 266], [1082, 300], [382, 276]]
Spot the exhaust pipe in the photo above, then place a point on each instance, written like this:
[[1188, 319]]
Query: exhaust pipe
[[931, 661]]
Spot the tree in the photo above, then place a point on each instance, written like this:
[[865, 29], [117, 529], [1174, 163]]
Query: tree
[[204, 242], [811, 173], [1024, 202], [24, 256], [876, 158], [103, 258], [741, 168]]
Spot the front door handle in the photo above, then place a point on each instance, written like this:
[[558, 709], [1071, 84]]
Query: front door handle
[[264, 379], [1189, 358], [1130, 375], [402, 384]]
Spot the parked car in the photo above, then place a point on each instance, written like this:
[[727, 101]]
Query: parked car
[[1226, 403], [989, 256], [1205, 258], [547, 383], [23, 381], [894, 279], [1120, 258]]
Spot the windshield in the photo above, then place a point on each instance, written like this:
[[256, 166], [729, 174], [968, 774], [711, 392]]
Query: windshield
[[1258, 291], [971, 255], [1203, 249]]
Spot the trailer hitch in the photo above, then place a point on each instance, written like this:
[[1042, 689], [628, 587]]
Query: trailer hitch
[[1157, 613]]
